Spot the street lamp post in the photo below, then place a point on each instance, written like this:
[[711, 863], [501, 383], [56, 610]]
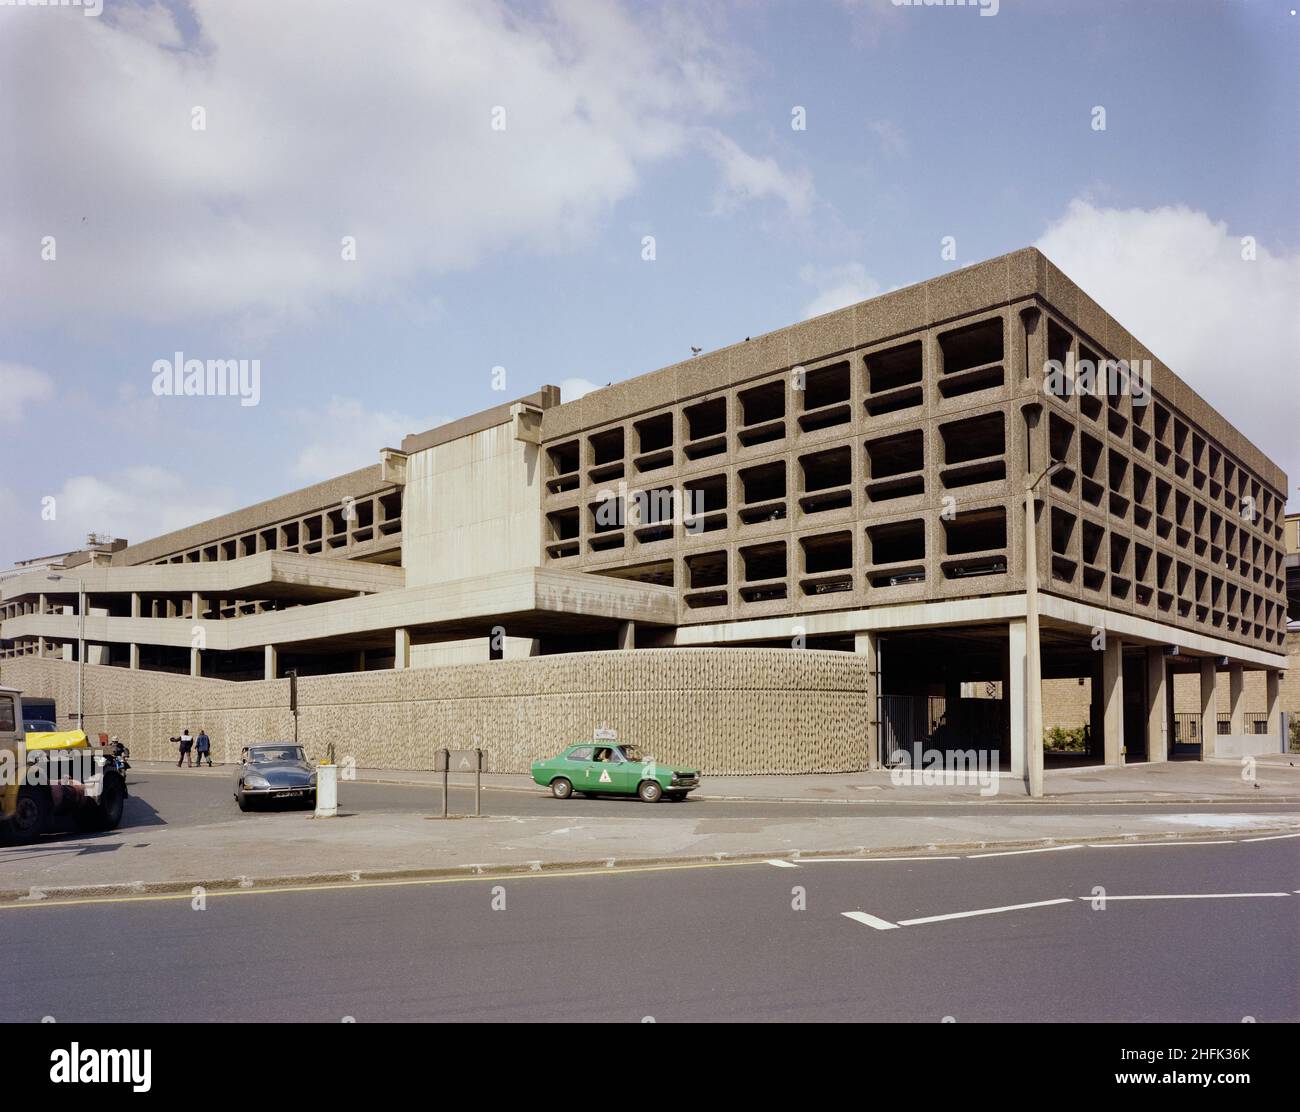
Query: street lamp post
[[81, 645], [1033, 650]]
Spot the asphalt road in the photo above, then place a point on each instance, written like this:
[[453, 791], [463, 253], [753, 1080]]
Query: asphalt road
[[699, 943], [200, 796]]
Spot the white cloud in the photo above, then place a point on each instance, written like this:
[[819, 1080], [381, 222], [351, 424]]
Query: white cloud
[[747, 177], [1228, 327], [364, 120], [893, 141], [136, 503], [571, 389], [344, 436], [20, 386], [837, 286]]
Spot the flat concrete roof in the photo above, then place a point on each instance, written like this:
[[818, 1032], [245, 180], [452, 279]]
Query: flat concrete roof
[[544, 398]]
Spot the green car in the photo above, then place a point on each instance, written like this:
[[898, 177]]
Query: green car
[[607, 768]]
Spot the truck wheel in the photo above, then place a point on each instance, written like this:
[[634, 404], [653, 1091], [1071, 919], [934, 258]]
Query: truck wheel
[[650, 791], [107, 812], [561, 788], [30, 817]]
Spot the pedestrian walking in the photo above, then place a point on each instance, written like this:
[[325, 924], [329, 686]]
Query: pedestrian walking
[[187, 743], [203, 747]]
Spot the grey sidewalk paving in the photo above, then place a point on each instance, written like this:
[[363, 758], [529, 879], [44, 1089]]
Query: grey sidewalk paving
[[294, 847]]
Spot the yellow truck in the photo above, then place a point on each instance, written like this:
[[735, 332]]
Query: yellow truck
[[50, 775]]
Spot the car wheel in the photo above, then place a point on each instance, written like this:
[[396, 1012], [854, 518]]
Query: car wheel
[[650, 791], [107, 812], [30, 817], [245, 804], [561, 788]]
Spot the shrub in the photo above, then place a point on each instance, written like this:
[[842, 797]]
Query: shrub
[[1073, 740]]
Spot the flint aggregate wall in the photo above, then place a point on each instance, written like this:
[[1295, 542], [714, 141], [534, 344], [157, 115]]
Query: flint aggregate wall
[[727, 711]]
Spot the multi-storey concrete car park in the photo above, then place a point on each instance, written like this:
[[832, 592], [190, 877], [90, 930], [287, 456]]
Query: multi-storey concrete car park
[[764, 557]]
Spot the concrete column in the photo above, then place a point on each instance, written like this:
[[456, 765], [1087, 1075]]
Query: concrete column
[[196, 662], [1273, 703], [135, 604], [1236, 700], [865, 644], [1157, 722], [134, 651], [1209, 707], [1017, 698], [627, 635], [1097, 708], [270, 662], [401, 648], [42, 607], [361, 660], [40, 646], [1112, 696]]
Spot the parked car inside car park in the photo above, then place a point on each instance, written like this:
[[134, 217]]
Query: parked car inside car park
[[276, 772], [603, 768]]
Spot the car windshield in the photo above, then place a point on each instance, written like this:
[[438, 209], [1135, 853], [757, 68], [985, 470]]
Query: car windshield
[[36, 726], [270, 754]]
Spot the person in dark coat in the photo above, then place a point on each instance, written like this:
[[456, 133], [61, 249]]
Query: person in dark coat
[[203, 747], [187, 743]]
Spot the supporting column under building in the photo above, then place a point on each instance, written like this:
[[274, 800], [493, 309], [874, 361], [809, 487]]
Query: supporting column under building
[[1017, 698], [1273, 706], [270, 662], [1112, 696], [401, 648], [196, 662], [1236, 700], [627, 635], [866, 645], [133, 653], [1157, 703], [1209, 707]]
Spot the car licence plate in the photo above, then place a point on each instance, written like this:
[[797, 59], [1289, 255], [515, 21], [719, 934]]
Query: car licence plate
[[286, 795]]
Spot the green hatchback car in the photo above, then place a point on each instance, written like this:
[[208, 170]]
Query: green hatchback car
[[607, 768]]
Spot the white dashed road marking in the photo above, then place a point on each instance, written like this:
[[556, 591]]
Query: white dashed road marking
[[1190, 896], [980, 911], [778, 863], [870, 920], [1014, 852]]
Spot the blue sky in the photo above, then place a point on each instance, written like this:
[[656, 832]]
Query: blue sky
[[522, 247]]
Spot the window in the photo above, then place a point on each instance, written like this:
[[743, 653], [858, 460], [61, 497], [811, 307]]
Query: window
[[7, 712], [582, 754]]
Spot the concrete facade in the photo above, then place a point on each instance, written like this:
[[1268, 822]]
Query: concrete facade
[[856, 483]]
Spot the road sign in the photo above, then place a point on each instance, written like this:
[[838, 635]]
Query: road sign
[[466, 760], [604, 733]]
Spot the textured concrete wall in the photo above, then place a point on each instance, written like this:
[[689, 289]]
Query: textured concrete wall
[[727, 711]]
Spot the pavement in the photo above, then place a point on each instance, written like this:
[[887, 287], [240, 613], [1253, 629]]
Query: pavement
[[1276, 777], [1173, 932], [183, 830]]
